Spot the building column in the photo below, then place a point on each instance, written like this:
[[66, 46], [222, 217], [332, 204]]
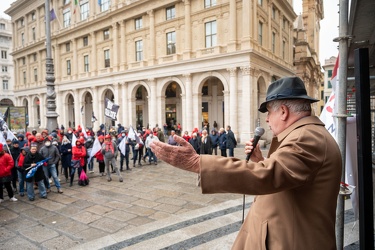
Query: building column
[[37, 25], [17, 83], [226, 108], [118, 99], [246, 25], [123, 45], [254, 21], [124, 97], [152, 103], [152, 55], [94, 66], [96, 108], [40, 68], [115, 47], [26, 31], [14, 37], [189, 103], [233, 24], [32, 116], [77, 108], [29, 80], [132, 113], [187, 51], [57, 59], [43, 107], [247, 99], [233, 100], [197, 110], [74, 63], [269, 31], [60, 107]]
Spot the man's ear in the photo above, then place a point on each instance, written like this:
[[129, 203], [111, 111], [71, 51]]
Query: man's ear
[[284, 112]]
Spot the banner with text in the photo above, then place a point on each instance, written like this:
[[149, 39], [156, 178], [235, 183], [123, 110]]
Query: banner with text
[[111, 109]]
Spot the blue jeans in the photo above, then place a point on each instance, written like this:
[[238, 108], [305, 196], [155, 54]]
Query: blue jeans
[[30, 189], [151, 155], [73, 171], [51, 169], [231, 152], [126, 158], [90, 164], [21, 181]]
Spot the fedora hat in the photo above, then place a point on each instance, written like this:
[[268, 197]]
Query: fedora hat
[[286, 88]]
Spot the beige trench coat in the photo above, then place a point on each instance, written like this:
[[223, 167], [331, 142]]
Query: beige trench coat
[[296, 187]]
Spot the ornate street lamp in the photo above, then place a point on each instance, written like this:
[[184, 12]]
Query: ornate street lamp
[[51, 114]]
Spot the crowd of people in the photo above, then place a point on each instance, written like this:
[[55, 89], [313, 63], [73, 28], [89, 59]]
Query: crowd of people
[[75, 150]]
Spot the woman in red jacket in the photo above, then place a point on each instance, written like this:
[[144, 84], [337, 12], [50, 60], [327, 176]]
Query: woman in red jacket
[[78, 159], [6, 165]]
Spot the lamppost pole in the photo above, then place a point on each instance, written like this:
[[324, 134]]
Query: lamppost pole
[[51, 114]]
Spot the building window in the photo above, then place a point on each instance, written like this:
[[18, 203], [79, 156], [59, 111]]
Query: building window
[[104, 5], [171, 43], [4, 68], [107, 60], [35, 75], [24, 77], [273, 12], [66, 2], [285, 23], [284, 49], [33, 16], [260, 33], [22, 39], [66, 18], [34, 55], [105, 34], [3, 54], [170, 12], [260, 2], [2, 26], [329, 73], [86, 63], [22, 21], [85, 41], [23, 60], [138, 23], [139, 50], [84, 10], [5, 84], [273, 42], [33, 33], [68, 67], [211, 34], [329, 84], [67, 47], [209, 3]]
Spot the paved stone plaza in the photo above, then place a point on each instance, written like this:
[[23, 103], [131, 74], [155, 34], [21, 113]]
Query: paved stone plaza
[[156, 207]]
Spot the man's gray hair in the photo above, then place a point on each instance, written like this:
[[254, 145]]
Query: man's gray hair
[[294, 105]]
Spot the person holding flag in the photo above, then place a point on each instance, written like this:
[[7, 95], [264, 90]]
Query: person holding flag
[[30, 161], [124, 143], [109, 151]]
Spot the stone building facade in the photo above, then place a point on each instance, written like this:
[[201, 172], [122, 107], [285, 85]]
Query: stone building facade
[[6, 74], [164, 62]]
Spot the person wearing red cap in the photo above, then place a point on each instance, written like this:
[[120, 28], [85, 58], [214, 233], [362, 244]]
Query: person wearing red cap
[[78, 159]]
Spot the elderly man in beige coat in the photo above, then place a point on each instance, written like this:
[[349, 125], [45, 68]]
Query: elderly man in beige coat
[[296, 185]]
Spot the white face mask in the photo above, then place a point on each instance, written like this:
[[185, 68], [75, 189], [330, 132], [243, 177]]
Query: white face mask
[[48, 143], [123, 134]]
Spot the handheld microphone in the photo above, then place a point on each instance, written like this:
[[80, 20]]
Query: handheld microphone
[[258, 133]]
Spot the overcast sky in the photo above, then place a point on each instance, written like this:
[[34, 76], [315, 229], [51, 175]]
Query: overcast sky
[[329, 25]]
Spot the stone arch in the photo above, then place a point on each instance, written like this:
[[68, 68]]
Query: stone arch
[[109, 93], [36, 111], [69, 112], [87, 102], [138, 95], [6, 102], [201, 80]]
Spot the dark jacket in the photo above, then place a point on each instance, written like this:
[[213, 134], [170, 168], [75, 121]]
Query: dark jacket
[[214, 140], [34, 158], [66, 155], [206, 146], [196, 144], [15, 152], [231, 141], [52, 152], [223, 141]]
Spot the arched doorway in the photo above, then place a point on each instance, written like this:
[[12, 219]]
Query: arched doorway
[[109, 94], [141, 107], [6, 102], [212, 103], [71, 111], [37, 112], [87, 110], [25, 103], [173, 111]]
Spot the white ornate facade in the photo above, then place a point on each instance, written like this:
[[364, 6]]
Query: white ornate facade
[[181, 61], [6, 63]]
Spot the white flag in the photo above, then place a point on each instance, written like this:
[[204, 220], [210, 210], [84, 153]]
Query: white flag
[[95, 149], [132, 135], [2, 139], [84, 132], [10, 135], [122, 145], [74, 139]]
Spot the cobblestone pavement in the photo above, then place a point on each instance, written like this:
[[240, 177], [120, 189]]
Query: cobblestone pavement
[[156, 207]]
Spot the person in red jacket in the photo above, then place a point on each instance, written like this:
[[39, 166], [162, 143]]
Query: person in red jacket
[[6, 165], [78, 159]]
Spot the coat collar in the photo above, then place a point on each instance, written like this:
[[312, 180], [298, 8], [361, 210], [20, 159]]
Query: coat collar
[[301, 122]]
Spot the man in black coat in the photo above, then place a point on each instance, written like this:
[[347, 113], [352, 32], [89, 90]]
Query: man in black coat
[[231, 141]]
